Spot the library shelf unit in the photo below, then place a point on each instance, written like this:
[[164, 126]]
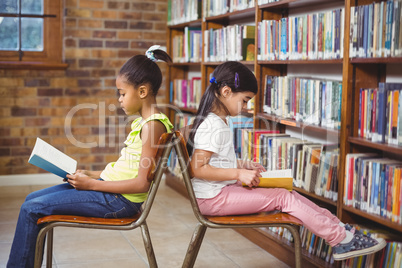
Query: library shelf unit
[[356, 73]]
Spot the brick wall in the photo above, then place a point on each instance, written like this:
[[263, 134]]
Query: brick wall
[[99, 36]]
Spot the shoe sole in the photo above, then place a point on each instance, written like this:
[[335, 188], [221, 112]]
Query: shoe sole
[[361, 252]]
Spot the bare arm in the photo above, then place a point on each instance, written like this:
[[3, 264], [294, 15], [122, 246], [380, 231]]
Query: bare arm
[[150, 136], [202, 170], [250, 165], [94, 174]]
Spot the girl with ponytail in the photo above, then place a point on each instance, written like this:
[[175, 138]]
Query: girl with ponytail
[[218, 175], [121, 187]]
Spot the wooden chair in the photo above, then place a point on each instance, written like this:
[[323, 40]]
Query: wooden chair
[[241, 221], [155, 174]]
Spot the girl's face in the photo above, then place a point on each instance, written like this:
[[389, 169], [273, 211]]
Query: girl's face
[[236, 102], [129, 98]]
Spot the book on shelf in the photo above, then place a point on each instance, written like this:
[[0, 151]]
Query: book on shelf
[[187, 92], [186, 47], [233, 42], [181, 11], [373, 184], [311, 101], [375, 30], [276, 179], [215, 8], [305, 37], [51, 159], [380, 113], [315, 245]]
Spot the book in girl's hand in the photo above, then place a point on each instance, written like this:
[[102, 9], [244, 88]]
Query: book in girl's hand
[[276, 179], [50, 159]]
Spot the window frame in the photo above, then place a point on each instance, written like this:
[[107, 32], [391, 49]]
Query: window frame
[[51, 57]]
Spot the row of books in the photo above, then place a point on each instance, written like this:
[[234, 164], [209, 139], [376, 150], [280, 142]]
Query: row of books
[[187, 47], [380, 113], [187, 92], [373, 184], [313, 244], [314, 166], [215, 8], [181, 11], [375, 30], [316, 169], [390, 256], [234, 42], [312, 36], [312, 101]]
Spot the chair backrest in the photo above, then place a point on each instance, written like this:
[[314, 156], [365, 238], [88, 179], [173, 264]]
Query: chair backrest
[[158, 166], [185, 166]]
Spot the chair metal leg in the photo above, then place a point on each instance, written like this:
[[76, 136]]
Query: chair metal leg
[[297, 244], [148, 245], [40, 241], [49, 252], [194, 246]]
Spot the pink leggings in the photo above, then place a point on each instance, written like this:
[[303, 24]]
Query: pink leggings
[[235, 199]]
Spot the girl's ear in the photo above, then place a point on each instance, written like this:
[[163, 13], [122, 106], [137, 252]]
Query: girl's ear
[[143, 91], [226, 91]]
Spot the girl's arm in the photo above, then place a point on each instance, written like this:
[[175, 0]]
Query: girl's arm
[[250, 165], [150, 134], [94, 174], [202, 170]]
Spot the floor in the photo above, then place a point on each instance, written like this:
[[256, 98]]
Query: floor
[[171, 231]]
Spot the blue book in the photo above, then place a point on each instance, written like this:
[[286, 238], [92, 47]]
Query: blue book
[[283, 38], [365, 30], [296, 36], [374, 189], [51, 159], [382, 100]]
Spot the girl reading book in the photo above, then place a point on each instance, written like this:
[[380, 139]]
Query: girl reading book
[[219, 175], [121, 188]]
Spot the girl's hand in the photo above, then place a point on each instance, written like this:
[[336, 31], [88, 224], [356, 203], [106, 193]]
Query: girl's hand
[[80, 181], [249, 177]]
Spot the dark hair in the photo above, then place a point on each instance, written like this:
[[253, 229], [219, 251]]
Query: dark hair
[[232, 74], [140, 69]]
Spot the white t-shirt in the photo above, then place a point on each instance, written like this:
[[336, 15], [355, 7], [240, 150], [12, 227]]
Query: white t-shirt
[[214, 135]]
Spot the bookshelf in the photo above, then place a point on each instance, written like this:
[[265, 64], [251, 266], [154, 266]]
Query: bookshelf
[[355, 73]]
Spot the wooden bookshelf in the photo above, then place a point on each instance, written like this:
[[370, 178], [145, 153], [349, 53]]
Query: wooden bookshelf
[[356, 73]]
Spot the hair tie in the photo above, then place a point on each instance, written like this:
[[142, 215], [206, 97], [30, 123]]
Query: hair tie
[[150, 52], [237, 82], [213, 80]]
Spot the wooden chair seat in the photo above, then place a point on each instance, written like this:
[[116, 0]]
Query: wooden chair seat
[[268, 219], [155, 173], [89, 220], [260, 218]]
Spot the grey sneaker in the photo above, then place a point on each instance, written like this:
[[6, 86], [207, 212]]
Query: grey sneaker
[[360, 245]]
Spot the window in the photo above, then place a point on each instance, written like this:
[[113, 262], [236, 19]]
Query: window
[[31, 34]]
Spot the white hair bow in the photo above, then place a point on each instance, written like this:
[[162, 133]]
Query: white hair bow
[[150, 52]]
